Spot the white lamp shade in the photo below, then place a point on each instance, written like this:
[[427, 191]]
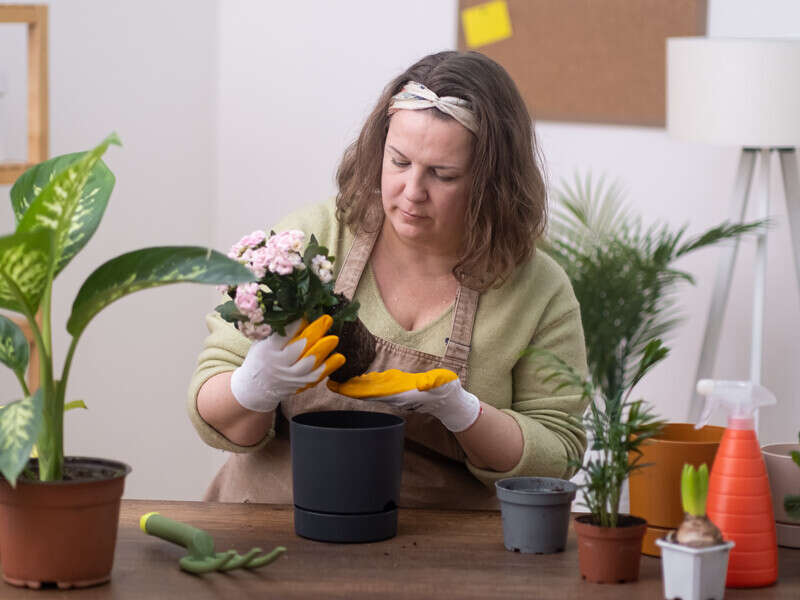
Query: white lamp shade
[[741, 92]]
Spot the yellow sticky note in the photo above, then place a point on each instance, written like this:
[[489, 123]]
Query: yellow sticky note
[[486, 23]]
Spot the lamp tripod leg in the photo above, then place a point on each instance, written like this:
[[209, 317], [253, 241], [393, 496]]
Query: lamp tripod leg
[[791, 187], [722, 284], [760, 279]]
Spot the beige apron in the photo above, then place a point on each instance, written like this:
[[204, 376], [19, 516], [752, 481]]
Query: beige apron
[[434, 473]]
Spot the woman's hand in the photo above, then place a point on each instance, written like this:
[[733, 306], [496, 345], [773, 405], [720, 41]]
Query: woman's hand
[[279, 366], [437, 392]]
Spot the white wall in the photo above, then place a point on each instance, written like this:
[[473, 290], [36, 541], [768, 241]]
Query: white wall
[[147, 70], [234, 112], [284, 126]]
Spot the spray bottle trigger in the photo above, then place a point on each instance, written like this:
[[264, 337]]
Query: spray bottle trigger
[[705, 387]]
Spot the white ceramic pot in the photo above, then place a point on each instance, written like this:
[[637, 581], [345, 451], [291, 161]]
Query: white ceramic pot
[[784, 479], [694, 573]]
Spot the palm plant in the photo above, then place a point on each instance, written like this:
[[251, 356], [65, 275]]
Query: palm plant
[[617, 427], [624, 279], [622, 272], [58, 205]]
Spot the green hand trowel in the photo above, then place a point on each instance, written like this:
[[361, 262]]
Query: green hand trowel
[[200, 544]]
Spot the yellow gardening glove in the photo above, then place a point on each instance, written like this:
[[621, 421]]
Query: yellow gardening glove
[[437, 392], [282, 365]]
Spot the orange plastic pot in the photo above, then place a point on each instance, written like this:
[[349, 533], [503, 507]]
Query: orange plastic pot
[[62, 532], [655, 490], [610, 554]]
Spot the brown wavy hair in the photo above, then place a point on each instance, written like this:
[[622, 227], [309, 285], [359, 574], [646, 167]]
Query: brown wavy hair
[[507, 208]]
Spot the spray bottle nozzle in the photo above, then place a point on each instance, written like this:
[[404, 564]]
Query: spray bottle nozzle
[[740, 398]]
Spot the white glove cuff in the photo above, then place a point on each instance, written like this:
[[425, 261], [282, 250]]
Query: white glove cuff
[[460, 416], [249, 394]]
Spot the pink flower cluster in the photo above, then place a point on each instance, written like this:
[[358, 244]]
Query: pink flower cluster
[[249, 304], [281, 253], [277, 254]]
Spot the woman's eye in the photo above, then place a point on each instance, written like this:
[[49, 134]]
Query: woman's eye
[[446, 177], [399, 163]]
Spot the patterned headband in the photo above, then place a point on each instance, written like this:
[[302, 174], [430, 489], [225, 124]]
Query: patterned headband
[[415, 96]]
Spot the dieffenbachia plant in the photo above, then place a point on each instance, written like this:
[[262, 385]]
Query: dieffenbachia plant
[[58, 205]]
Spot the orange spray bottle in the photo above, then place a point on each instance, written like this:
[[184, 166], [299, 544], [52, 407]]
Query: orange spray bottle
[[739, 499]]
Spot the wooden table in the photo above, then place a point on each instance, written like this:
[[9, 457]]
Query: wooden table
[[436, 555]]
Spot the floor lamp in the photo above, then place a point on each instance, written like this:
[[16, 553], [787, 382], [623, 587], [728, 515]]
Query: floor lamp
[[745, 93]]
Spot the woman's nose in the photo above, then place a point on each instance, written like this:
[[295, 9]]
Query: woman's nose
[[415, 186]]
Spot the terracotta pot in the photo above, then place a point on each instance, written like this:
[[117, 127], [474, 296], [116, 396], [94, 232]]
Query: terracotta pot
[[62, 532], [655, 490], [610, 554]]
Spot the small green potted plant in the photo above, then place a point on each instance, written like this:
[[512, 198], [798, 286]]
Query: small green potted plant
[[609, 543], [625, 279], [58, 515], [695, 557], [294, 280]]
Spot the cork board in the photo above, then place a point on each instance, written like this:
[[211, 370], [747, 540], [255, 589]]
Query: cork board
[[594, 61]]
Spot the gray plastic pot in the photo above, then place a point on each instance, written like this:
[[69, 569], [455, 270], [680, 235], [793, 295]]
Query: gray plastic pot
[[536, 512]]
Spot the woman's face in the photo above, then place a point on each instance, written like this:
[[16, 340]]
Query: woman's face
[[425, 179]]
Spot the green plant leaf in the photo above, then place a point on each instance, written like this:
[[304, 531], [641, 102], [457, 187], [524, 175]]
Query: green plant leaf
[[791, 504], [31, 183], [71, 203], [147, 268], [14, 349], [688, 483], [26, 260], [74, 404], [20, 422], [702, 488], [230, 312], [796, 457], [622, 274]]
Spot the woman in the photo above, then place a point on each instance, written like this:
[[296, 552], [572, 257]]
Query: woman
[[440, 203]]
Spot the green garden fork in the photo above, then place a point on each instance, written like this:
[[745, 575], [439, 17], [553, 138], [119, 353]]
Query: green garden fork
[[200, 544]]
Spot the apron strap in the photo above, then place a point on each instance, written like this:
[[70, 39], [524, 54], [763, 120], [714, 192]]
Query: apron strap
[[355, 262], [456, 353], [459, 343]]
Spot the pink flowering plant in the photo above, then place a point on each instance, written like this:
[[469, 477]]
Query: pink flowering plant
[[292, 283]]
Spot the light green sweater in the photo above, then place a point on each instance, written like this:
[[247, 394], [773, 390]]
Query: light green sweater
[[535, 306]]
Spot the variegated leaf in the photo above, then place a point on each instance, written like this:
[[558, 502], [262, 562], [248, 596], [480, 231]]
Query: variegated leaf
[[20, 422], [25, 263], [31, 183], [151, 267], [71, 204], [14, 350]]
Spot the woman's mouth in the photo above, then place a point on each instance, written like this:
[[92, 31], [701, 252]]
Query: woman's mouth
[[410, 215]]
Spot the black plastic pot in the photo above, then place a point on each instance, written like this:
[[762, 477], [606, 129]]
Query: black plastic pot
[[346, 468], [536, 512]]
